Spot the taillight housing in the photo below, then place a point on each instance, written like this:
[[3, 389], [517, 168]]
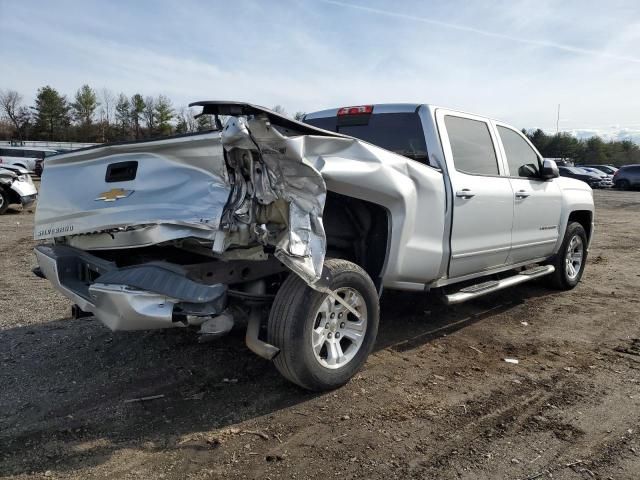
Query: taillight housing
[[357, 110]]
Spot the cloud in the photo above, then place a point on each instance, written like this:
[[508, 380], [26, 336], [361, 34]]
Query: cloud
[[486, 33], [608, 134]]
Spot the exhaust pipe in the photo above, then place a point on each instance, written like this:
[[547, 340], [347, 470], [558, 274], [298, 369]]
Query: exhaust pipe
[[257, 346]]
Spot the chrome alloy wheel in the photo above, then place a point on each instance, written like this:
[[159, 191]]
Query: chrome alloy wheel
[[573, 257], [1, 201], [337, 333]]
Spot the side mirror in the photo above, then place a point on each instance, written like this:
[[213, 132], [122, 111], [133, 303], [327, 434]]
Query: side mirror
[[549, 170]]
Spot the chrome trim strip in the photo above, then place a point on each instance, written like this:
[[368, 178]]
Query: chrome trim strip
[[535, 244], [448, 281], [517, 279], [481, 252]]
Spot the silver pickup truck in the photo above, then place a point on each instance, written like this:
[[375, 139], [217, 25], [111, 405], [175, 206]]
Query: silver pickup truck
[[294, 228]]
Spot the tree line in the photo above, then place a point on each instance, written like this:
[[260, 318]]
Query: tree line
[[592, 150], [102, 116], [93, 116]]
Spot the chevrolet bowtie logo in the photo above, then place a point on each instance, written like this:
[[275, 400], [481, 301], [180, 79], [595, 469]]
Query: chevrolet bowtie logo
[[113, 195]]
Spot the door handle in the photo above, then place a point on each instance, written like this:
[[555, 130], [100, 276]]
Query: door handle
[[465, 193], [522, 194]]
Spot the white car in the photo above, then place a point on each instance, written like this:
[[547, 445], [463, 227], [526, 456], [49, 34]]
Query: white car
[[308, 222], [24, 157], [16, 187]]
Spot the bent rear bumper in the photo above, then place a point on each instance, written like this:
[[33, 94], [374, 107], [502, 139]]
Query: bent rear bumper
[[144, 297]]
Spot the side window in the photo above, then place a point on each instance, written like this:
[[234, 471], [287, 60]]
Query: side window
[[34, 153], [472, 146], [522, 159], [10, 152]]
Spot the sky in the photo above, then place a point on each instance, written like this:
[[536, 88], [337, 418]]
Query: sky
[[511, 60]]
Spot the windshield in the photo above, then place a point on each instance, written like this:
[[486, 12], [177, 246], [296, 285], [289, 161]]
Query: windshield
[[401, 133]]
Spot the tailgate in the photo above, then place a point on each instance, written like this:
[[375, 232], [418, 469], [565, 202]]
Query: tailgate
[[178, 181]]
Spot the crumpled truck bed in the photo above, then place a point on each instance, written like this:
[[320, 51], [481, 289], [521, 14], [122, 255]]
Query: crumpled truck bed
[[248, 185]]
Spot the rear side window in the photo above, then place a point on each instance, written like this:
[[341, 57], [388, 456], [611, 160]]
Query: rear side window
[[34, 153], [401, 133], [10, 152], [522, 159], [471, 146]]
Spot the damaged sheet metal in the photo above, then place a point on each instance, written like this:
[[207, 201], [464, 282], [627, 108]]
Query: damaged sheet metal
[[284, 188], [246, 186]]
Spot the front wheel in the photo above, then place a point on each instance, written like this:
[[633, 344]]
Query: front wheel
[[4, 201], [322, 344], [571, 259]]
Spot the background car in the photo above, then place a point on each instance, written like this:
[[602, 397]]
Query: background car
[[16, 187], [606, 178], [593, 180], [627, 177], [25, 157], [608, 169]]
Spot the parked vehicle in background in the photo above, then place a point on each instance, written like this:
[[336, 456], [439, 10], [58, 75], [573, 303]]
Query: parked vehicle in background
[[607, 180], [16, 187], [307, 221], [591, 179], [627, 177], [608, 169], [24, 157], [39, 167]]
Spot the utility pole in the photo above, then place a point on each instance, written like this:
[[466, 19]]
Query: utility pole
[[558, 120]]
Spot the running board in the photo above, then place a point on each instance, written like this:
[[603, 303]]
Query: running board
[[475, 291]]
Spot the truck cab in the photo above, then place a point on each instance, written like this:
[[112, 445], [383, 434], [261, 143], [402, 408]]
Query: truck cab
[[504, 207]]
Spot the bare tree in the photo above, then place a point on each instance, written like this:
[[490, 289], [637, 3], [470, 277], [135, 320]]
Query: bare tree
[[280, 109], [149, 115], [107, 108], [108, 101], [186, 121], [11, 105]]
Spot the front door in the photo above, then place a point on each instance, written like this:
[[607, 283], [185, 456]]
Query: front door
[[537, 202], [482, 196]]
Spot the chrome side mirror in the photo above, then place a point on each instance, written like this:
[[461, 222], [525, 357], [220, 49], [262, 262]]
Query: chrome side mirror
[[549, 170]]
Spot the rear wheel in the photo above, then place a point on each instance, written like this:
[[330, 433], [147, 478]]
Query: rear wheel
[[322, 344], [571, 258], [4, 201]]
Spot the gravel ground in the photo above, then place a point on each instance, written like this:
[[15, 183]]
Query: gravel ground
[[435, 400]]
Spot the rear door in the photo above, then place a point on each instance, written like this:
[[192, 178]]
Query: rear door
[[482, 194], [537, 202]]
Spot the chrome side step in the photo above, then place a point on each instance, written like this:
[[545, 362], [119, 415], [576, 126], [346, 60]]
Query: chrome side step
[[475, 291]]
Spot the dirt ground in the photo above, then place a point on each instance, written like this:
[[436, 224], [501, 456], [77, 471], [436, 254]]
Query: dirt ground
[[435, 400]]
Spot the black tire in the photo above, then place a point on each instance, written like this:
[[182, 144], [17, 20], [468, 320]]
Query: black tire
[[623, 184], [293, 318], [4, 201], [562, 279]]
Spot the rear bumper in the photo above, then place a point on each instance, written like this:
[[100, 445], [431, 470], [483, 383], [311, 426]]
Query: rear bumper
[[144, 297]]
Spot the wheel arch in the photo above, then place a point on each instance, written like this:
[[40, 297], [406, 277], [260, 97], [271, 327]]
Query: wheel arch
[[359, 231], [584, 218]]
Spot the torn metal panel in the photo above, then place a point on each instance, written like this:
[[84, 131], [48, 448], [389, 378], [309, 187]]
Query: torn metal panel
[[285, 188]]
